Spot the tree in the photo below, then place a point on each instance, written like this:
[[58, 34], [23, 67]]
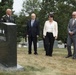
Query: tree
[[47, 6], [4, 5], [62, 10], [30, 6], [65, 9]]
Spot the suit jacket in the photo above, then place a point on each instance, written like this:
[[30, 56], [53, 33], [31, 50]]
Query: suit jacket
[[5, 18], [72, 27], [33, 30]]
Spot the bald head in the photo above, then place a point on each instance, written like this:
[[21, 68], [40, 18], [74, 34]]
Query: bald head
[[33, 16], [8, 11], [74, 14]]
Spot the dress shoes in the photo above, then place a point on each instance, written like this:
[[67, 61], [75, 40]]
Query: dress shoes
[[29, 53], [68, 56], [74, 58], [36, 53], [49, 55]]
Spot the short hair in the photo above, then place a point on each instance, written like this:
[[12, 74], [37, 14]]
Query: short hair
[[8, 10], [33, 14], [51, 15]]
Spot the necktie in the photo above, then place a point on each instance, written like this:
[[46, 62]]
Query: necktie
[[10, 17]]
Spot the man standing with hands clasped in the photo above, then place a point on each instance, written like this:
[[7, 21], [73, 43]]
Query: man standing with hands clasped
[[72, 36], [32, 33]]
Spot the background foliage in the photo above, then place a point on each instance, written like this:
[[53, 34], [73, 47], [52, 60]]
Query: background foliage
[[4, 5], [62, 10]]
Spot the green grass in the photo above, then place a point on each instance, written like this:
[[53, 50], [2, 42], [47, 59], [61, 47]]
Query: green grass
[[44, 65]]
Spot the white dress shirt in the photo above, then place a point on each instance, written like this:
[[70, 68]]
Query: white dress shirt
[[73, 21], [51, 27], [32, 22]]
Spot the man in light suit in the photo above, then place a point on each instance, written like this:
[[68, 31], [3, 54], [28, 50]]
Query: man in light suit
[[32, 33], [72, 36]]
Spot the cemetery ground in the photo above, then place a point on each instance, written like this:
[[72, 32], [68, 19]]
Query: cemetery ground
[[44, 65]]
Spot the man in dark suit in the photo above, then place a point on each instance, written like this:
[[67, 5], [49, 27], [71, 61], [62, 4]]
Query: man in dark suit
[[72, 36], [8, 17], [32, 33]]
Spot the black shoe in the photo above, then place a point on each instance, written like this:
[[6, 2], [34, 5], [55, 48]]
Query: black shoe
[[36, 53], [47, 54], [29, 53], [50, 55], [68, 56], [74, 58]]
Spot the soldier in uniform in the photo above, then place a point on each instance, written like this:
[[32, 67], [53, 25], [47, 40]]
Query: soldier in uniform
[[8, 17]]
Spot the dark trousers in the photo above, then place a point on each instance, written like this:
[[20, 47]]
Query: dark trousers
[[49, 41], [30, 40], [44, 44]]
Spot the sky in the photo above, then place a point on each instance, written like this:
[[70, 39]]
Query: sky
[[17, 6]]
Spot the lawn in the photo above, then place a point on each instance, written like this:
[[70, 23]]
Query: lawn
[[44, 65]]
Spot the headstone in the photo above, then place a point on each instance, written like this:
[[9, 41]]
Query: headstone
[[40, 44], [8, 45], [55, 44]]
